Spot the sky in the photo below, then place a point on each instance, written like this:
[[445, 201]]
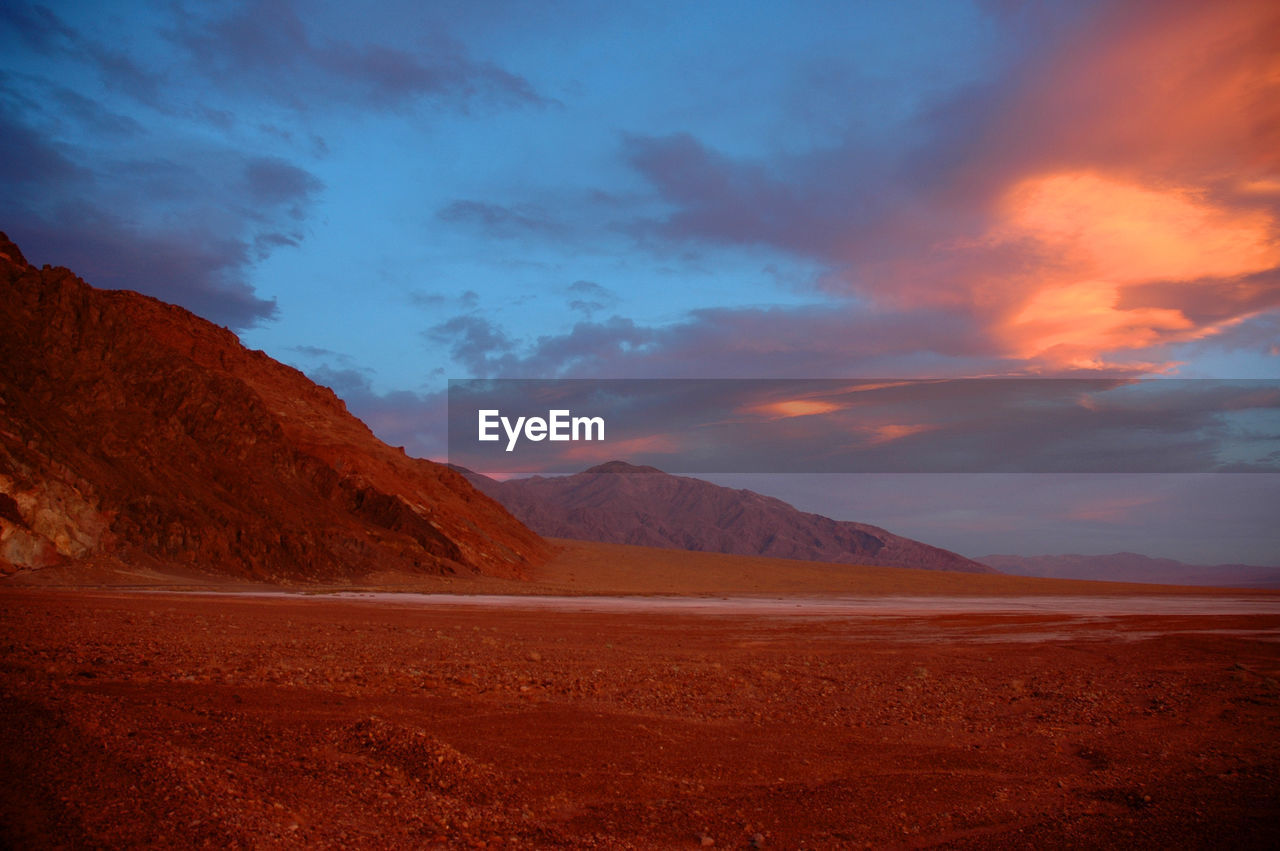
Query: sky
[[431, 190]]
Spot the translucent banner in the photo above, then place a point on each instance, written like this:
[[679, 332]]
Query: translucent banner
[[516, 426]]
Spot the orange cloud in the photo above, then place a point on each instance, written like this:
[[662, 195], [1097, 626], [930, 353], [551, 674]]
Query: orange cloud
[[1124, 198], [896, 431], [794, 408], [808, 407], [1175, 107], [1179, 87], [1126, 233], [1097, 236], [878, 435]]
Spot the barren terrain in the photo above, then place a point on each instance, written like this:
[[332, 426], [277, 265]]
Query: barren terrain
[[593, 568], [166, 719]]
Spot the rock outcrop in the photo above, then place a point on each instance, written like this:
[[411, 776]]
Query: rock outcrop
[[134, 432], [622, 503]]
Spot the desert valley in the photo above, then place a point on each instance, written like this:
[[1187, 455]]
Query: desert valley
[[232, 617]]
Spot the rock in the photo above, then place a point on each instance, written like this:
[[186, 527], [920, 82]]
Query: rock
[[133, 431], [620, 503]]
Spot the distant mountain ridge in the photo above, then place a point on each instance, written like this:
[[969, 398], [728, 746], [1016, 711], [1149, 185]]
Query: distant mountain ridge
[[134, 433], [623, 503], [1134, 567]]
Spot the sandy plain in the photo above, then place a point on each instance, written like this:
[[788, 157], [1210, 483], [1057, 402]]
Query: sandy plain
[[148, 716]]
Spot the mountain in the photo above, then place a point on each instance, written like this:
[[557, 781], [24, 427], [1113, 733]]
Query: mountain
[[625, 504], [134, 432], [1132, 567]]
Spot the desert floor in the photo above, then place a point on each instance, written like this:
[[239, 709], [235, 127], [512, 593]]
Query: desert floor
[[152, 718]]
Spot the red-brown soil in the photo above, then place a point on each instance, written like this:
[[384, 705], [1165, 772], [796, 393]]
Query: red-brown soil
[[177, 720]]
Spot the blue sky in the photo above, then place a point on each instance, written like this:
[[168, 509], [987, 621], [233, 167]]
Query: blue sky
[[390, 197]]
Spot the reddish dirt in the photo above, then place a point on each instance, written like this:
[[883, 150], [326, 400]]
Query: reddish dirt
[[144, 719]]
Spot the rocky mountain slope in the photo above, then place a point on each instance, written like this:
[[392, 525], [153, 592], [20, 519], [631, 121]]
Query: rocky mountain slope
[[1133, 567], [134, 432], [625, 504]]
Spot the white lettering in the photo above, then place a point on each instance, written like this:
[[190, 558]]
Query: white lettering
[[587, 423], [488, 422], [513, 434], [559, 422], [558, 426]]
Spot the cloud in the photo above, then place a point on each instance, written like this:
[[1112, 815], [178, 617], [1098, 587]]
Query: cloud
[[794, 408], [197, 269], [1117, 252], [127, 201], [138, 159], [277, 183], [475, 343], [803, 341], [589, 298], [499, 221], [717, 198], [27, 159], [267, 47], [38, 28], [1111, 194], [590, 346], [154, 224], [320, 352], [467, 300], [26, 91]]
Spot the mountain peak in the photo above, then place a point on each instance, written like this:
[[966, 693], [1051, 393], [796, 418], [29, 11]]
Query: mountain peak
[[680, 512], [10, 252], [621, 467]]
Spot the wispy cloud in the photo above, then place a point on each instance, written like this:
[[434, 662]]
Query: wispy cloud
[[589, 298], [268, 47], [499, 220]]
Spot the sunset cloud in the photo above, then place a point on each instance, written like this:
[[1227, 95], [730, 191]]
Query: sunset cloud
[[1140, 208], [1119, 194], [1097, 238], [896, 431], [794, 408]]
